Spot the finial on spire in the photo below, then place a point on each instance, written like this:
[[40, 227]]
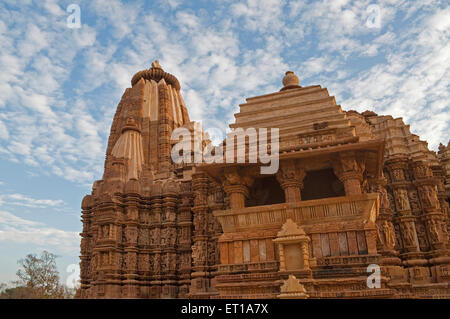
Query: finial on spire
[[156, 65], [290, 81], [156, 73]]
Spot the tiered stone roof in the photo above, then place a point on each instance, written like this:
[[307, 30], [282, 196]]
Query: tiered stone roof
[[307, 117]]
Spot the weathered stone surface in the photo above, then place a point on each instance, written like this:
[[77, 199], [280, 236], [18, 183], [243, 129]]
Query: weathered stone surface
[[353, 189]]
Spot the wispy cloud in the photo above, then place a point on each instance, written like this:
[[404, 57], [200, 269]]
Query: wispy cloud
[[14, 229], [26, 201], [413, 82], [262, 16], [59, 87]]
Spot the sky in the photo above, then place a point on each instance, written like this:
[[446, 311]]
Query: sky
[[60, 84]]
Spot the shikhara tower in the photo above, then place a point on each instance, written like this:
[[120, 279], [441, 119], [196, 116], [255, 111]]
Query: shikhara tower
[[352, 190]]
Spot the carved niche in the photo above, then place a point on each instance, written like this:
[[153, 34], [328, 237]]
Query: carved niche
[[401, 199], [386, 235], [293, 246], [408, 234]]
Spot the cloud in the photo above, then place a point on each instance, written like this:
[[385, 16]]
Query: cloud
[[260, 15], [121, 17], [26, 201], [316, 65], [4, 133], [35, 40], [59, 87], [39, 122], [52, 7], [14, 229], [413, 83], [174, 3]]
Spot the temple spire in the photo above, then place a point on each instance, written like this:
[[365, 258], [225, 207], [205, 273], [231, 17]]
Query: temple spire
[[156, 65]]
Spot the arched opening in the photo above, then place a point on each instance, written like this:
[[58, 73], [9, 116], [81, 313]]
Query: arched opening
[[321, 184], [265, 191]]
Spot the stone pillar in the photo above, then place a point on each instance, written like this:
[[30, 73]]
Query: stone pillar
[[444, 191], [427, 189], [200, 276], [215, 202], [439, 174], [130, 288], [400, 184], [184, 239], [349, 169], [86, 248], [405, 219], [130, 284], [385, 229], [236, 184], [156, 206], [169, 236], [104, 266], [291, 178], [237, 195]]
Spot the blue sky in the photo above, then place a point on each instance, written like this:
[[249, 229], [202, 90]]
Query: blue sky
[[59, 87]]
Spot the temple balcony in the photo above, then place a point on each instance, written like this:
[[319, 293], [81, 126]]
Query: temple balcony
[[338, 227], [357, 208]]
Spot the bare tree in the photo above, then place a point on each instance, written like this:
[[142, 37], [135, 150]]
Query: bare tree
[[39, 277]]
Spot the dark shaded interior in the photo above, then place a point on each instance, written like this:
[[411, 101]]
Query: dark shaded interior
[[265, 191], [321, 184]]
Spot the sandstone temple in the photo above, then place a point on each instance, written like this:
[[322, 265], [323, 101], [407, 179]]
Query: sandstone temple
[[355, 193]]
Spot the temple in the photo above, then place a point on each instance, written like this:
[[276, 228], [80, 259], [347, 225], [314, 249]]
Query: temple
[[354, 193]]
